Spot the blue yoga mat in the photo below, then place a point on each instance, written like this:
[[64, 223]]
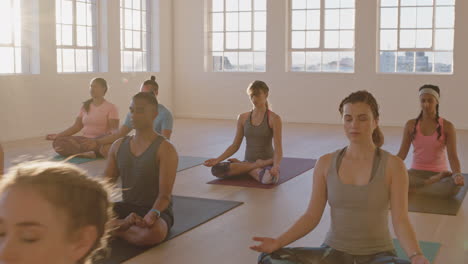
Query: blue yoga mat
[[429, 249], [74, 160]]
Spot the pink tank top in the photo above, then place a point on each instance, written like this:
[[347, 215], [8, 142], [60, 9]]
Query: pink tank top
[[429, 152]]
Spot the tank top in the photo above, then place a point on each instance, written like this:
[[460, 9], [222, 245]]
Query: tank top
[[429, 153], [359, 214], [259, 139], [139, 174]]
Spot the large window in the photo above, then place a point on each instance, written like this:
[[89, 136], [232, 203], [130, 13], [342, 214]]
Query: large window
[[11, 48], [322, 35], [135, 37], [76, 35], [416, 36], [237, 35]]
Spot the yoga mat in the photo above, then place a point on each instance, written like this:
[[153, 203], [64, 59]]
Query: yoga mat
[[290, 168], [429, 250], [187, 162], [189, 212], [437, 205], [75, 160]]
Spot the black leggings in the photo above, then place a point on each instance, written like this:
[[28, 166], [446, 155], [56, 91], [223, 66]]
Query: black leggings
[[326, 255]]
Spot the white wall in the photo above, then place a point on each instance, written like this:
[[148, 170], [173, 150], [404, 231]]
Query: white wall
[[33, 105], [308, 97]]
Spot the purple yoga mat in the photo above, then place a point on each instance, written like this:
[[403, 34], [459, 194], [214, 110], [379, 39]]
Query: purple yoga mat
[[290, 168]]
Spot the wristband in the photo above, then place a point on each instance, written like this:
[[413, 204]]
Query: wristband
[[157, 212], [416, 253]]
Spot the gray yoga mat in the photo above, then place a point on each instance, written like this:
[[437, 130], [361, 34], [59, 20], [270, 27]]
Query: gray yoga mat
[[189, 212], [187, 162], [437, 205]]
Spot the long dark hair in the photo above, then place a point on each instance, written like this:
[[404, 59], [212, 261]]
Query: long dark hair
[[439, 129], [101, 82], [369, 99], [153, 83]]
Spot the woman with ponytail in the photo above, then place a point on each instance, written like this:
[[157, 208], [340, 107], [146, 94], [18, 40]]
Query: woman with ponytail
[[359, 182], [260, 127], [432, 137], [97, 118]]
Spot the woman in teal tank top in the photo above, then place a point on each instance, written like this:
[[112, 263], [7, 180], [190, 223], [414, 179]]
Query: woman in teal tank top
[[359, 182], [261, 128]]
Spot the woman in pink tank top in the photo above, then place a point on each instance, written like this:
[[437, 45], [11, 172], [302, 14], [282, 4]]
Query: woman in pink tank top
[[432, 138]]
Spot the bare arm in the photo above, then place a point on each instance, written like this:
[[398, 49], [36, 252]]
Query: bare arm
[[234, 147], [2, 160], [451, 135], [75, 128], [399, 205], [111, 173], [310, 219], [278, 141], [168, 160], [166, 133], [114, 125], [122, 132], [406, 141]]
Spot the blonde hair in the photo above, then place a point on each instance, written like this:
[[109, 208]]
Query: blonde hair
[[258, 86], [369, 99], [85, 201]]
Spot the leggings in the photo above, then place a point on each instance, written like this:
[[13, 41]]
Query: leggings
[[71, 145], [326, 255], [444, 188]]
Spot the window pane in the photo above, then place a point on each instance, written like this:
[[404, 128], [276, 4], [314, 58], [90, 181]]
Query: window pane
[[90, 60], [424, 61], [8, 60], [347, 19], [298, 20], [313, 39], [443, 62], [90, 36], [245, 21], [330, 61], [424, 38], [388, 17], [313, 19], [332, 19], [81, 36], [408, 2], [67, 35], [232, 40], [445, 17], [67, 12], [298, 40], [388, 39], [260, 41], [245, 61], [298, 4], [260, 4], [260, 21], [444, 39], [332, 39], [313, 61], [80, 13], [245, 40], [332, 4], [346, 39], [137, 61], [217, 5], [389, 2], [68, 57], [89, 15], [81, 63], [136, 40], [136, 4], [297, 61], [347, 4], [128, 19], [128, 39], [387, 61], [137, 20], [59, 60], [405, 62], [259, 61], [408, 17], [407, 38], [217, 22], [58, 34], [425, 2], [245, 5], [217, 42], [232, 21], [313, 4], [424, 19], [217, 61], [346, 62], [445, 2], [128, 61], [232, 5], [231, 61]]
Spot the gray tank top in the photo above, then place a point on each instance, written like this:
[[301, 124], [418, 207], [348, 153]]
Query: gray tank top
[[140, 175], [259, 139], [359, 214]]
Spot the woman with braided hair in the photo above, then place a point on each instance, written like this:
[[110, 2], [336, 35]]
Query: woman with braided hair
[[432, 138], [52, 213]]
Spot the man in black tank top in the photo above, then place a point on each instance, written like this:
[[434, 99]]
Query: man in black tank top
[[147, 165]]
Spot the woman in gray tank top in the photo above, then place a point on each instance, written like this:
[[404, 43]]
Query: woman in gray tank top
[[260, 127], [359, 182]]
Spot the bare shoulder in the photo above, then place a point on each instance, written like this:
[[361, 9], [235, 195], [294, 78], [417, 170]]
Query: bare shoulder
[[324, 162], [448, 125], [115, 146], [274, 117], [395, 168], [242, 117], [410, 124]]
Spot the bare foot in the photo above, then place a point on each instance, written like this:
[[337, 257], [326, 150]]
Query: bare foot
[[88, 155], [458, 179], [130, 220], [438, 177]]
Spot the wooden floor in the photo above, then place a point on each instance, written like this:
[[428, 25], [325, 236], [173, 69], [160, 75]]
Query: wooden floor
[[226, 239]]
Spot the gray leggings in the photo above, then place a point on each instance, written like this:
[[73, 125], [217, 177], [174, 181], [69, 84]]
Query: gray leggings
[[444, 188], [326, 255]]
